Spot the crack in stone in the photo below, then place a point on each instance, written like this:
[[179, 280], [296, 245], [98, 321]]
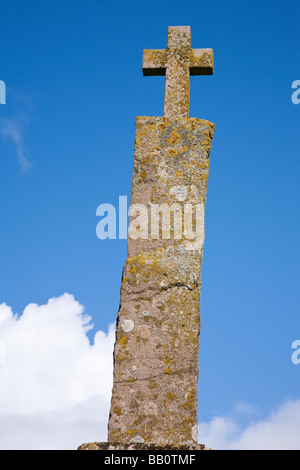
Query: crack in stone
[[159, 289], [179, 371]]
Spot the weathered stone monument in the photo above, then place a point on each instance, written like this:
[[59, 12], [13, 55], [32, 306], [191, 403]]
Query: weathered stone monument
[[154, 396]]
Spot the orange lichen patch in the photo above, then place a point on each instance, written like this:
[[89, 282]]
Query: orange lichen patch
[[172, 152], [174, 138]]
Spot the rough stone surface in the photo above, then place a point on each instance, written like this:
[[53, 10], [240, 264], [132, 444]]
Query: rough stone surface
[[154, 396], [117, 446]]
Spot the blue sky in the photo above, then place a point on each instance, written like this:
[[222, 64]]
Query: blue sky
[[73, 71]]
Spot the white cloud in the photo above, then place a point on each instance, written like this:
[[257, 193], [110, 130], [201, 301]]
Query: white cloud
[[279, 431], [55, 386]]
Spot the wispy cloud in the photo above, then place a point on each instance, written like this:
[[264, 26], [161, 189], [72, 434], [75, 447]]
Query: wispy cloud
[[12, 129], [12, 126]]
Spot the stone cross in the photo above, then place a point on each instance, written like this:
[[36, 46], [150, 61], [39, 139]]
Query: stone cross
[[177, 63], [154, 400]]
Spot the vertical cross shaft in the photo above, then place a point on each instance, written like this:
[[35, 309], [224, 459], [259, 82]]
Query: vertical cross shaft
[[177, 63], [154, 400]]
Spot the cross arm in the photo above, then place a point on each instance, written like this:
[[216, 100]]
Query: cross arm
[[202, 62], [154, 62]]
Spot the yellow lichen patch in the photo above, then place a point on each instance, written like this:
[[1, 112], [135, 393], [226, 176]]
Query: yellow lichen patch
[[143, 174], [117, 410], [131, 431], [163, 126], [152, 384], [187, 165], [179, 174], [169, 396], [155, 57], [190, 399], [123, 341], [152, 125], [172, 152], [184, 149], [192, 124], [155, 151], [132, 269], [207, 139], [167, 362], [204, 177], [174, 138], [144, 132], [145, 263]]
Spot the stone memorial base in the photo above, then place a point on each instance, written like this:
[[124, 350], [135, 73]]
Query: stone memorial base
[[154, 447]]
